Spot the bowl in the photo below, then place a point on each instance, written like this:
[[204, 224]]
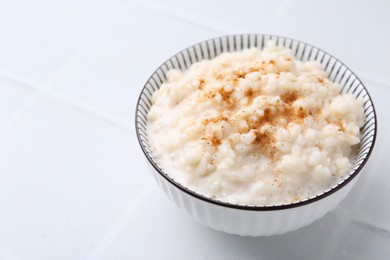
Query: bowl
[[256, 220]]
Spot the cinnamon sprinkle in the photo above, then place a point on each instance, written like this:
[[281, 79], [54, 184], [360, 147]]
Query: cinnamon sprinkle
[[290, 96], [265, 143], [214, 120], [321, 80], [226, 96], [250, 95], [202, 83], [215, 141]]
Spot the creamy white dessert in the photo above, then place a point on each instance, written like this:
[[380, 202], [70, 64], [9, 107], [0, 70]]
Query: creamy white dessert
[[255, 127]]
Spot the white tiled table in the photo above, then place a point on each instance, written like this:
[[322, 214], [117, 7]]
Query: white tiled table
[[73, 181]]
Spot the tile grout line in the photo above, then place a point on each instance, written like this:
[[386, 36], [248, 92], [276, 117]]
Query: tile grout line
[[119, 223], [89, 110], [71, 102], [15, 116], [78, 53], [188, 18], [16, 78], [371, 227], [365, 224]]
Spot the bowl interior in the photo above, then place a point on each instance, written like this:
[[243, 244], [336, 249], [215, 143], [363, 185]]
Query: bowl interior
[[336, 72]]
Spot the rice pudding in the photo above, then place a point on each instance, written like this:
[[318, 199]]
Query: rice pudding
[[255, 127]]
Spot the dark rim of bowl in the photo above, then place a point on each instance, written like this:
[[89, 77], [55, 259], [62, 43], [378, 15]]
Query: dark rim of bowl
[[310, 200]]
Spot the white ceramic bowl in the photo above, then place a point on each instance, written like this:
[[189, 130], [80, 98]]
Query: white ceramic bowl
[[256, 220]]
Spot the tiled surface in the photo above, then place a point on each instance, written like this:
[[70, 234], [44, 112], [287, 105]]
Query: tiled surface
[[13, 96], [227, 16], [38, 37], [66, 177], [329, 238], [73, 183], [113, 70], [350, 30]]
